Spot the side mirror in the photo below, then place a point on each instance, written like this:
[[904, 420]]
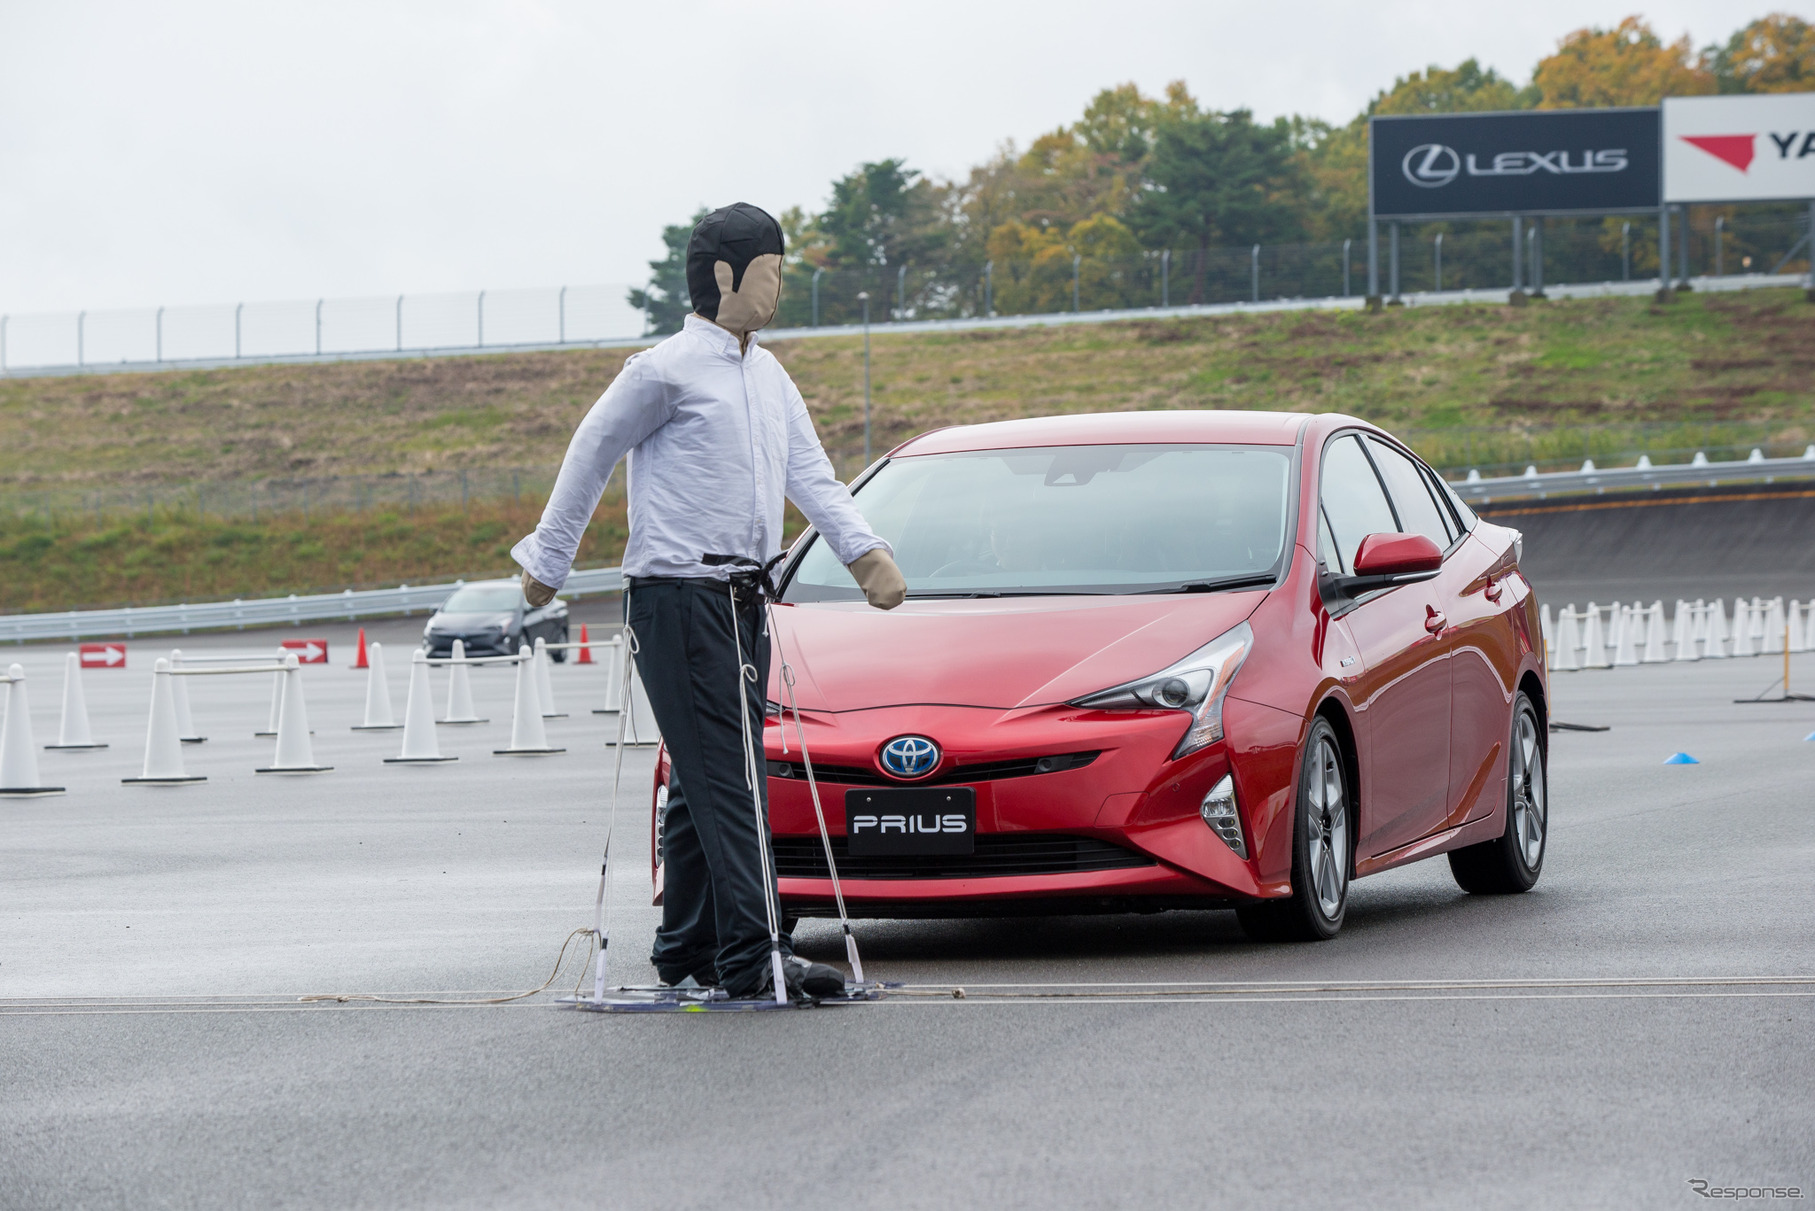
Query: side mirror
[[1384, 560]]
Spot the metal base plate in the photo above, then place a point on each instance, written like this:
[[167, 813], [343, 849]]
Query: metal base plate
[[525, 752], [599, 710], [30, 792], [204, 739], [417, 760], [556, 715], [376, 727], [459, 722], [659, 998], [69, 748], [183, 781], [293, 769]]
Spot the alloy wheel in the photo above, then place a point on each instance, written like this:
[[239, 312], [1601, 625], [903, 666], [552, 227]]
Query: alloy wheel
[[1528, 791], [1329, 831]]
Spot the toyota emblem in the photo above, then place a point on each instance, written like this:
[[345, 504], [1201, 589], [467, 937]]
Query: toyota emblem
[[910, 757]]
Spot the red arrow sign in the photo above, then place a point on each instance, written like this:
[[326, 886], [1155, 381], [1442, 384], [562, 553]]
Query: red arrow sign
[[1734, 149], [308, 651], [103, 655]]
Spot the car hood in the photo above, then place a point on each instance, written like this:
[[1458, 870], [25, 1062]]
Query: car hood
[[999, 653], [456, 622]]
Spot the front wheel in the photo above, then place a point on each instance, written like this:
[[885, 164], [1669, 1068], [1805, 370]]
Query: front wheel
[[1511, 862], [1322, 847], [560, 657]]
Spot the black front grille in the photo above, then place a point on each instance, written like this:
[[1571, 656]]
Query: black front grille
[[997, 854], [992, 771]]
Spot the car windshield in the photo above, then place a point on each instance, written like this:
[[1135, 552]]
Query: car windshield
[[484, 599], [1069, 519]]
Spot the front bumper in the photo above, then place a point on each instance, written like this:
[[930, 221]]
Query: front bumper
[[487, 643], [1119, 833]]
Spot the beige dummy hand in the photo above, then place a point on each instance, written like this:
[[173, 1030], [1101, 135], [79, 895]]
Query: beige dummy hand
[[538, 593], [879, 578]]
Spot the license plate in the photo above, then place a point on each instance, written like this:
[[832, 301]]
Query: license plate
[[911, 820]]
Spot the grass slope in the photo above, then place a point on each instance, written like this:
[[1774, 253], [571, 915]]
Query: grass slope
[[1714, 365]]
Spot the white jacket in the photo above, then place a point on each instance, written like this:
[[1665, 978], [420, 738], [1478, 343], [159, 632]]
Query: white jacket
[[715, 439]]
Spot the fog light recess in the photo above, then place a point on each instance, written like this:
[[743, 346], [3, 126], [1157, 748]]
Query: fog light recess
[[1219, 813]]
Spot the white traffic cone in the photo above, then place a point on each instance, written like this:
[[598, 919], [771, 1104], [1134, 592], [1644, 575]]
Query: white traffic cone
[[73, 731], [1682, 632], [1594, 643], [1625, 646], [277, 704], [1796, 636], [1716, 646], [528, 738], [1775, 627], [1654, 635], [378, 692], [18, 755], [460, 689], [643, 729], [163, 750], [179, 690], [294, 753], [1569, 641], [1547, 635], [419, 744], [1742, 629], [612, 658], [545, 690]]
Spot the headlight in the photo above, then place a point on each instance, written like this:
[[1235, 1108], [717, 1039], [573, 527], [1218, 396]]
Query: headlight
[[1198, 684]]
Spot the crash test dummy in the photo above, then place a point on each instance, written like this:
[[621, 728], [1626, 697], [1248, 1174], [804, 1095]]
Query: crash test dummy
[[715, 434]]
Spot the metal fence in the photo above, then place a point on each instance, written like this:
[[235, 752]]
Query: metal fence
[[1435, 257]]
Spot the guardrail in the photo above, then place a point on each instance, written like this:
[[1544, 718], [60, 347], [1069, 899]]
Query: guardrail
[[1593, 480], [348, 606]]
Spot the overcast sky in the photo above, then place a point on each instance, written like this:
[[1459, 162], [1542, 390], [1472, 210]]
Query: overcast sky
[[188, 151]]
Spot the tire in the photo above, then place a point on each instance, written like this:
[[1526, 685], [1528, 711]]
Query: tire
[[561, 656], [1512, 862], [1323, 848]]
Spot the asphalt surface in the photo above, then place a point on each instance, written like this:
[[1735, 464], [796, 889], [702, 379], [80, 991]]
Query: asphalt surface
[[1653, 1025]]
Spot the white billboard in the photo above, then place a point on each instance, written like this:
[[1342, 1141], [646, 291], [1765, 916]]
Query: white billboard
[[1739, 149]]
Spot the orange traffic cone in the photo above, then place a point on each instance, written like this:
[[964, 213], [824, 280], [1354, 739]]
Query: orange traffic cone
[[585, 652], [359, 661]]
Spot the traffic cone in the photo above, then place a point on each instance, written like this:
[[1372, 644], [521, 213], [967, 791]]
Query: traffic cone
[[1716, 646], [163, 751], [419, 744], [585, 656], [528, 738], [545, 690], [179, 690], [18, 755], [359, 658], [72, 732], [378, 695], [294, 754], [614, 677], [460, 689], [1594, 644]]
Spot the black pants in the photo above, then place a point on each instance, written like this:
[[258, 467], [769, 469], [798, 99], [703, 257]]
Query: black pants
[[713, 915]]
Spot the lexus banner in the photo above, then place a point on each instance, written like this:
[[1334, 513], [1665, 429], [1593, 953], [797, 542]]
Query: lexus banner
[[1567, 161], [1739, 149]]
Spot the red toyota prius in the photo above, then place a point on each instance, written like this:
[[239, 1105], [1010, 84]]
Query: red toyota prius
[[1158, 660]]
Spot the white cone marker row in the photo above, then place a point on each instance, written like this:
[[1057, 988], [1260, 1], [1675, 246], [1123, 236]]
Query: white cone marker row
[[1697, 630], [378, 693], [18, 754], [73, 731]]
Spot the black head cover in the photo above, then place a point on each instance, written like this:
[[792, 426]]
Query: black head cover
[[736, 235]]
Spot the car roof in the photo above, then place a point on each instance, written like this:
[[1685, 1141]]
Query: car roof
[[1096, 428]]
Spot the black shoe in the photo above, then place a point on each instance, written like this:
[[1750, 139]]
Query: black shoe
[[812, 979]]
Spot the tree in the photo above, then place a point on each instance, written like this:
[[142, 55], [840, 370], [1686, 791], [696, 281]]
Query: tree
[[1216, 178], [1626, 65], [883, 214], [1774, 54], [665, 302]]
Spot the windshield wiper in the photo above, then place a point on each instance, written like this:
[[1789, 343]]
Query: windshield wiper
[[1216, 586]]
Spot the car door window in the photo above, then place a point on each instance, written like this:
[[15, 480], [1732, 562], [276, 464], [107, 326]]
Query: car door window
[[1353, 503], [1450, 521], [1326, 546], [1418, 512]]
